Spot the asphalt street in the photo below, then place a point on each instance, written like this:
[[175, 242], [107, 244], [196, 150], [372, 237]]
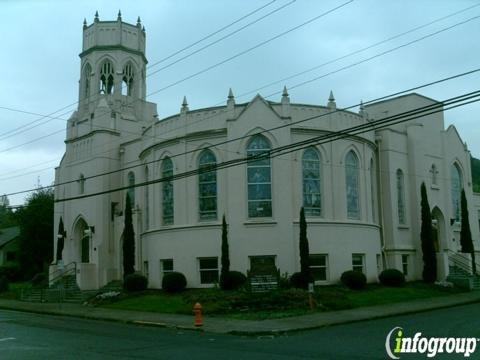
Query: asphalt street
[[32, 336]]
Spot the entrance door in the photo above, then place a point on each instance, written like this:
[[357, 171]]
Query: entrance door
[[86, 249]]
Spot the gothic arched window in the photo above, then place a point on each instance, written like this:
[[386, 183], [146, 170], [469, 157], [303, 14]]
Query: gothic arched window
[[167, 191], [146, 200], [87, 73], [312, 194], [259, 177], [207, 185], [456, 189], [131, 187], [106, 78], [401, 197], [352, 177], [127, 80]]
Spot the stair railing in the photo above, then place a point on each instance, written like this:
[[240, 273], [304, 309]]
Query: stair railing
[[461, 261]]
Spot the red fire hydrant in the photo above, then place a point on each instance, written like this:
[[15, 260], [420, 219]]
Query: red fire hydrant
[[197, 310]]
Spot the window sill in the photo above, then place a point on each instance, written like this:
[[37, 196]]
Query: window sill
[[434, 187], [403, 227], [260, 222]]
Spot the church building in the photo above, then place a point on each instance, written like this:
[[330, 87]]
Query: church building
[[360, 192]]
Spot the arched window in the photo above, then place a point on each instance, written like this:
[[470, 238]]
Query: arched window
[[352, 177], [434, 172], [147, 199], [401, 197], [259, 177], [207, 185], [127, 80], [312, 195], [106, 78], [87, 73], [167, 191], [81, 184], [131, 188], [456, 189]]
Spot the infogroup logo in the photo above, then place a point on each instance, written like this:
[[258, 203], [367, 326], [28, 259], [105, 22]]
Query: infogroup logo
[[397, 344]]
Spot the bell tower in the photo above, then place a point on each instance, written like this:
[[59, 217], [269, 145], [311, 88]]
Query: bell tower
[[113, 64]]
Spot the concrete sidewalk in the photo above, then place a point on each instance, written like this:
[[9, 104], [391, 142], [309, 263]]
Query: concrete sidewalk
[[244, 327]]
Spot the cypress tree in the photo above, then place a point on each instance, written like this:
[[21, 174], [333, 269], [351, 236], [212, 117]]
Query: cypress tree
[[225, 254], [128, 240], [304, 252], [465, 233], [428, 249]]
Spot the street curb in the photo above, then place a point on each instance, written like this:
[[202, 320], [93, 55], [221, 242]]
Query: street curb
[[99, 318], [274, 332], [349, 321]]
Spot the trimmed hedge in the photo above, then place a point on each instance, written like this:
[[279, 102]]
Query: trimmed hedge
[[392, 277], [232, 280], [174, 282], [135, 282], [297, 280], [354, 279]]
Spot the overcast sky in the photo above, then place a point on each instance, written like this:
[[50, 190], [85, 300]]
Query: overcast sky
[[41, 41]]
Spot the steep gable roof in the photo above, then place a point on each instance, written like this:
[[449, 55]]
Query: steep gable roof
[[258, 99], [8, 234]]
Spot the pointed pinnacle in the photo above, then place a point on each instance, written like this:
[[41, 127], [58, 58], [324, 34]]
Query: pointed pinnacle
[[230, 94], [361, 105], [84, 22], [331, 98], [139, 21], [96, 14], [143, 28], [285, 92], [184, 103], [119, 17]]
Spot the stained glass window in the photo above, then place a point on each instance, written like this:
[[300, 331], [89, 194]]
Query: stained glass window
[[456, 187], [207, 185], [312, 195], [352, 181], [259, 178], [167, 191], [401, 197]]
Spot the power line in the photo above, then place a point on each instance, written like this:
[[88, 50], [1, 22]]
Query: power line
[[174, 129], [243, 52], [310, 80], [222, 38], [281, 81], [278, 149], [281, 126], [221, 62], [384, 122], [274, 128], [152, 65], [377, 55], [211, 34]]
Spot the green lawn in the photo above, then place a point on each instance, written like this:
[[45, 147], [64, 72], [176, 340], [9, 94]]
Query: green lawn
[[281, 303]]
